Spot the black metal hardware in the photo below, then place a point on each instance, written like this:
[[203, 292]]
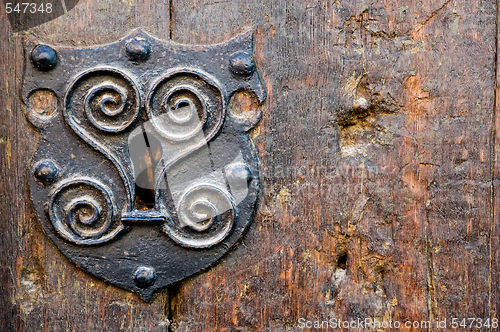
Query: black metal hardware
[[143, 176]]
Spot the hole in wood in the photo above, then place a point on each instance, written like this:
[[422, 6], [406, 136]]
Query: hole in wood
[[244, 105], [342, 261], [43, 103]]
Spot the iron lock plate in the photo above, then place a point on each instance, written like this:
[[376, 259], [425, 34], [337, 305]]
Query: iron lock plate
[[143, 176]]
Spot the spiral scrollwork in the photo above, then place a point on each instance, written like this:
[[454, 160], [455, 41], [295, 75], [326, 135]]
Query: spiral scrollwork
[[109, 97], [205, 217], [184, 104], [82, 212]]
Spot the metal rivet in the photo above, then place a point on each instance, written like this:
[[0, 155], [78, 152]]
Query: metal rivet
[[144, 276], [238, 176], [242, 64], [44, 57], [138, 49], [46, 171]]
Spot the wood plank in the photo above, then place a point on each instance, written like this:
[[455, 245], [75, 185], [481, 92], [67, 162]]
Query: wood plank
[[458, 188], [494, 300], [40, 290], [375, 149]]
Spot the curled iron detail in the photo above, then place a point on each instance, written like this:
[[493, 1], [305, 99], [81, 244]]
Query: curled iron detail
[[205, 216], [82, 212], [111, 103]]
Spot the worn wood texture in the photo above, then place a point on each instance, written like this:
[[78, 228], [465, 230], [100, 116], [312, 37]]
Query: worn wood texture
[[40, 290], [378, 148], [377, 207]]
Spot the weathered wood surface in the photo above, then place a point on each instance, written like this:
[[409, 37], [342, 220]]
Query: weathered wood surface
[[403, 189], [377, 147], [40, 290]]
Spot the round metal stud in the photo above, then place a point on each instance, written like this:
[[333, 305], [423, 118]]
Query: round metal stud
[[46, 171], [44, 57], [138, 49], [144, 276], [238, 176], [241, 64]]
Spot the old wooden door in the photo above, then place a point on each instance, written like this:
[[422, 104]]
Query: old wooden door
[[379, 163]]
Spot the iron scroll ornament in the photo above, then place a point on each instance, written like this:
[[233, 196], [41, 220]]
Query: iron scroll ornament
[[143, 176]]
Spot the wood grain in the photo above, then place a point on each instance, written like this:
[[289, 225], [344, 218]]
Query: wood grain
[[40, 290], [376, 150]]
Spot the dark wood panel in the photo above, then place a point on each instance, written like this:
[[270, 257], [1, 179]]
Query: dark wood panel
[[375, 148], [40, 290]]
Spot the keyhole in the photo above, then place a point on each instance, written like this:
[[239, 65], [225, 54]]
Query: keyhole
[[145, 152]]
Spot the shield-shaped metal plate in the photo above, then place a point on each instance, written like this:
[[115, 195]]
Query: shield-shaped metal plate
[[143, 176]]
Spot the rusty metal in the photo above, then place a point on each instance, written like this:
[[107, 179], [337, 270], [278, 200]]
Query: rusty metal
[[143, 176]]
